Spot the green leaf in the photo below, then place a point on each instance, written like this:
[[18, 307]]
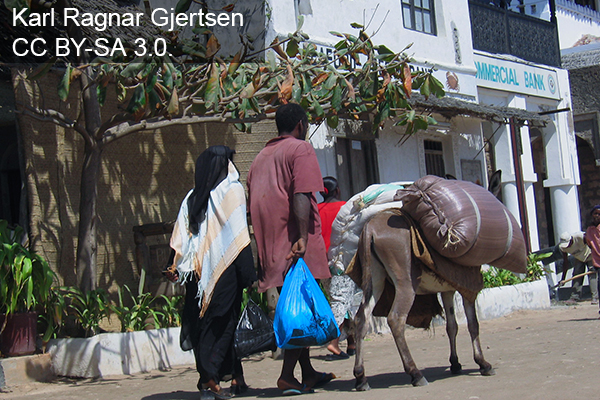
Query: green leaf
[[212, 93], [133, 68], [183, 6], [296, 92], [333, 121], [101, 93], [271, 60], [138, 100], [65, 84], [356, 25], [336, 98], [437, 88], [331, 81], [17, 5], [425, 90], [167, 76], [292, 48], [300, 22], [318, 108]]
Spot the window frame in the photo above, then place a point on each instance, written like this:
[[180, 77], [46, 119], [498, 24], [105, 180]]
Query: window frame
[[434, 157], [413, 8]]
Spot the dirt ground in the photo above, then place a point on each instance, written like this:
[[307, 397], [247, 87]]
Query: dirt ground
[[546, 354]]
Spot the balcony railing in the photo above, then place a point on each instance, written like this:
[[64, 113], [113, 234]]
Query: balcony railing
[[500, 31]]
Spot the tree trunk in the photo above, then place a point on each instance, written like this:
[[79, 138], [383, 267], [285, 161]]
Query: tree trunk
[[87, 240]]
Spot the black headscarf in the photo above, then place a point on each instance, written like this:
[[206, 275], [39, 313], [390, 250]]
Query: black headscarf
[[211, 169]]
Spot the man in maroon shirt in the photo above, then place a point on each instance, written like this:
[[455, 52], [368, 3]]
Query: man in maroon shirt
[[283, 208]]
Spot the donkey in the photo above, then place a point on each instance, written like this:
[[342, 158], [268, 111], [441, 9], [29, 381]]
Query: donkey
[[387, 269]]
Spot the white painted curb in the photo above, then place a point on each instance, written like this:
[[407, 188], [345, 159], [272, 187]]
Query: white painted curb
[[142, 351], [118, 353]]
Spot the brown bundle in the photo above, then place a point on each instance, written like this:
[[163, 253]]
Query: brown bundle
[[465, 223]]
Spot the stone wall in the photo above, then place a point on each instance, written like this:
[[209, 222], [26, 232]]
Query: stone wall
[[143, 180]]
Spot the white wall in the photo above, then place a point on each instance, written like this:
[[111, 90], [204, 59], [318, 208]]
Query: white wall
[[462, 139], [575, 21], [385, 25]]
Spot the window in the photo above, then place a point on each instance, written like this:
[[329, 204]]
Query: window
[[434, 158], [418, 15]]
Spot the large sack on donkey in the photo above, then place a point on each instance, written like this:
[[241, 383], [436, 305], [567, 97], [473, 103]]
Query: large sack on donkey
[[349, 222], [466, 223]]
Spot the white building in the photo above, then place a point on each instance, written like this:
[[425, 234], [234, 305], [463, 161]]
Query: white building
[[487, 84]]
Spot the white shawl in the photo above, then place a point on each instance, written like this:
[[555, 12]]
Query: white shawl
[[221, 237]]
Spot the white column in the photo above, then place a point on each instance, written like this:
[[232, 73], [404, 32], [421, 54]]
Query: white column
[[562, 164], [565, 209], [504, 162]]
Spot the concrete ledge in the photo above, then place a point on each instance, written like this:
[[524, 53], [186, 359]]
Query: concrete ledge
[[15, 371], [133, 352], [500, 301], [118, 353]]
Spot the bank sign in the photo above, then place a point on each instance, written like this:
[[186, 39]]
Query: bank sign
[[510, 76]]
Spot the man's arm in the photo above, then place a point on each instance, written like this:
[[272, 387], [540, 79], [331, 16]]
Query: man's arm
[[301, 204]]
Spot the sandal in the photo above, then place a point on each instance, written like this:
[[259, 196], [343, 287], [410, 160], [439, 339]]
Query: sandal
[[334, 357], [294, 392], [238, 389], [222, 394], [324, 378]]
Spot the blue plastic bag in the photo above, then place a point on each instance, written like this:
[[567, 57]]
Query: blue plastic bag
[[303, 316]]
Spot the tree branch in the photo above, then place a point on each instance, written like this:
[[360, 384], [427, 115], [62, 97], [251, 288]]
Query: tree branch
[[52, 116], [125, 129]]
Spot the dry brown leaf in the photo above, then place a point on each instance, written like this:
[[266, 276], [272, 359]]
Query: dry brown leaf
[[285, 88], [212, 47], [407, 81]]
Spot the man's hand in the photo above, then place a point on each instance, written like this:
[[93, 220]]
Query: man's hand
[[298, 250], [171, 275]]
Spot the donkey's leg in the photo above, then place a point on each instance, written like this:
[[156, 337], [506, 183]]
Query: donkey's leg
[[484, 367], [451, 330], [360, 321], [396, 319]]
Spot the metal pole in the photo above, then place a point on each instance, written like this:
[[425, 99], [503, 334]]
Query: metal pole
[[515, 139]]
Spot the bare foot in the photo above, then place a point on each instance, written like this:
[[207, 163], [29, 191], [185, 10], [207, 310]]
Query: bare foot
[[319, 379], [334, 349], [284, 384]]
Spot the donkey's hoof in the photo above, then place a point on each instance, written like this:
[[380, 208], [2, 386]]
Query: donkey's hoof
[[363, 386], [420, 382], [456, 368], [487, 371]]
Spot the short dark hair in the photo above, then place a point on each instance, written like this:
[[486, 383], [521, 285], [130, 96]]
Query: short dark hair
[[288, 116]]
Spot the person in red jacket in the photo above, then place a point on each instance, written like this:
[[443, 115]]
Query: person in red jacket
[[341, 289]]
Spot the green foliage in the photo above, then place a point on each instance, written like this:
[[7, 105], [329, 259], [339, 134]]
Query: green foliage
[[88, 309], [25, 277], [54, 314], [140, 315], [535, 270], [258, 298], [494, 277], [357, 79], [169, 312]]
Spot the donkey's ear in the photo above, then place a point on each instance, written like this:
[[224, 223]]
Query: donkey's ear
[[495, 183], [450, 177]]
